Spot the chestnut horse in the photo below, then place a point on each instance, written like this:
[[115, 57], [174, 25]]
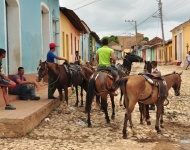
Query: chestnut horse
[[136, 88], [100, 85], [62, 78]]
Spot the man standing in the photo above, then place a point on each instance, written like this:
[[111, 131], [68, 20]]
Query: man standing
[[24, 87], [103, 56], [188, 59], [5, 82], [50, 58]]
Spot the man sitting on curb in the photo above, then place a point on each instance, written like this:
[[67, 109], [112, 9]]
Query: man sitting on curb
[[24, 87]]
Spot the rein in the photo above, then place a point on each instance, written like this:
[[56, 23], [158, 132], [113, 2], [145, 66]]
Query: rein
[[50, 83]]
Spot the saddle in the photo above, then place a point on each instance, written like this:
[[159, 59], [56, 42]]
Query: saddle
[[157, 80], [109, 70]]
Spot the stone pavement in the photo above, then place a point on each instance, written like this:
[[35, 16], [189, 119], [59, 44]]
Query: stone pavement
[[65, 127]]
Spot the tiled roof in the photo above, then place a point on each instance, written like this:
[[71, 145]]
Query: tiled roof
[[154, 41], [74, 19]]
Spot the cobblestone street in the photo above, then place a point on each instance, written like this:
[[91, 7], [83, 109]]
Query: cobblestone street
[[66, 129]]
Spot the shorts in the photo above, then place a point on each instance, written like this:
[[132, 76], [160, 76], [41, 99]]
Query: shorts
[[188, 62], [3, 81]]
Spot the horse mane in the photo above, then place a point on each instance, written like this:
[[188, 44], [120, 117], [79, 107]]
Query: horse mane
[[169, 74]]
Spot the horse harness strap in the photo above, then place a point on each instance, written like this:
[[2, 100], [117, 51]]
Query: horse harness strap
[[140, 100]]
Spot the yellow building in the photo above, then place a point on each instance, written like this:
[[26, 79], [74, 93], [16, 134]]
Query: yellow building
[[181, 42], [70, 30]]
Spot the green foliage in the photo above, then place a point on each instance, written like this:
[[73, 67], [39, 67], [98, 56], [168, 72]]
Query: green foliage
[[111, 38], [145, 39]]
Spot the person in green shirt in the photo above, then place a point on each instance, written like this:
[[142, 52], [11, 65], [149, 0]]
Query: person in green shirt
[[103, 56]]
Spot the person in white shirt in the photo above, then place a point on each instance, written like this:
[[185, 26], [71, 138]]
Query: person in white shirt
[[188, 59]]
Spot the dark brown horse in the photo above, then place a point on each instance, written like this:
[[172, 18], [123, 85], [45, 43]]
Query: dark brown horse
[[62, 78], [100, 85], [127, 63], [136, 88]]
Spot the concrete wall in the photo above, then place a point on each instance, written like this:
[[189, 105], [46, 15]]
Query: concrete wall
[[85, 47]]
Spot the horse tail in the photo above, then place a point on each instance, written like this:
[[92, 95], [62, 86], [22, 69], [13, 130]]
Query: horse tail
[[120, 82], [90, 95]]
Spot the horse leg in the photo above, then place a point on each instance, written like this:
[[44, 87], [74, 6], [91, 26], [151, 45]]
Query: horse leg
[[60, 94], [81, 94], [66, 94], [126, 118], [89, 98], [162, 120], [113, 107], [141, 110], [104, 105], [147, 115], [120, 101], [77, 100], [159, 105]]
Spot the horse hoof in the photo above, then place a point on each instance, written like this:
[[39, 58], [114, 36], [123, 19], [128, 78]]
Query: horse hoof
[[125, 136], [159, 131], [161, 126], [148, 123], [113, 117], [89, 125], [108, 121], [81, 105], [76, 105]]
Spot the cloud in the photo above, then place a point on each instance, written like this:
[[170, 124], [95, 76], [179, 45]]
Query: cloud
[[107, 17]]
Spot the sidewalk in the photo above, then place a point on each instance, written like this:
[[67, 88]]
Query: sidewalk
[[28, 114]]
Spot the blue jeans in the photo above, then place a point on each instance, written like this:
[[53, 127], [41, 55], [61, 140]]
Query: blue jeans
[[24, 89]]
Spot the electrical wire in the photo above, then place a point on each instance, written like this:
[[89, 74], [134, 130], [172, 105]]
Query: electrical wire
[[87, 4]]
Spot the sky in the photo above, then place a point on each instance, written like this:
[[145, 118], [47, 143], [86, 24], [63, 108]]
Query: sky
[[109, 17]]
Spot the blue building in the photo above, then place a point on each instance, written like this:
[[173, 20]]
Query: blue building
[[26, 29]]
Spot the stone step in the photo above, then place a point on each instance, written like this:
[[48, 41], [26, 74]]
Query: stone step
[[28, 114]]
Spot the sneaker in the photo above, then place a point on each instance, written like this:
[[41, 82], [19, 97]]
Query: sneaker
[[24, 98], [35, 98], [9, 107]]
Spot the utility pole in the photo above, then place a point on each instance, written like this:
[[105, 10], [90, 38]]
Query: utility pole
[[135, 32], [162, 27]]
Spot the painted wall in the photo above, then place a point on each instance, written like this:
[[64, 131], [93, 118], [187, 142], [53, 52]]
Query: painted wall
[[186, 39], [85, 47], [25, 36], [148, 55], [68, 44]]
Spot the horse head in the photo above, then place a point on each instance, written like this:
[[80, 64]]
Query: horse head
[[42, 70], [129, 59], [147, 66], [177, 84]]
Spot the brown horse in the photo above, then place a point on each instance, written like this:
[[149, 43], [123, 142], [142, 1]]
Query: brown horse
[[100, 85], [136, 88], [62, 78]]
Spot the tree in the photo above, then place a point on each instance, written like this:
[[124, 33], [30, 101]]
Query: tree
[[112, 38]]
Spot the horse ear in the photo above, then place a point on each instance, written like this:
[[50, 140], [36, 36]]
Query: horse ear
[[180, 73], [40, 61]]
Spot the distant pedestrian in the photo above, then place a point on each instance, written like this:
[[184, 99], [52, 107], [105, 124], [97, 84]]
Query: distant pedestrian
[[188, 59]]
